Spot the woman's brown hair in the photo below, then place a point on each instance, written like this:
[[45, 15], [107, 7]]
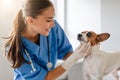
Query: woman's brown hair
[[31, 8]]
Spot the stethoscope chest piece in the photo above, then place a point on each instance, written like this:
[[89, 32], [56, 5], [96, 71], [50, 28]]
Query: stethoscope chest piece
[[49, 65]]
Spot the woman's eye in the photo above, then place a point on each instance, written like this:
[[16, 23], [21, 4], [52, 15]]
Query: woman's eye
[[48, 20]]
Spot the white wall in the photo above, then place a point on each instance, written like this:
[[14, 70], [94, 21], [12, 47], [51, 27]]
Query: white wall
[[96, 15], [7, 12], [82, 15], [59, 11], [110, 22]]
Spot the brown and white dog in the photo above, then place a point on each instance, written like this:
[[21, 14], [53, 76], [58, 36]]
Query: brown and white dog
[[99, 63]]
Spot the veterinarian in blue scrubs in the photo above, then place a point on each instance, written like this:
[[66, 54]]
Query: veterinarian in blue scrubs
[[37, 41]]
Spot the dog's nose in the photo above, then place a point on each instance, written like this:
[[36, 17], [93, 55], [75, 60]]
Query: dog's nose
[[79, 36]]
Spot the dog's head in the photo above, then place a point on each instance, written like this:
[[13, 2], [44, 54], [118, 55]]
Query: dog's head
[[92, 37]]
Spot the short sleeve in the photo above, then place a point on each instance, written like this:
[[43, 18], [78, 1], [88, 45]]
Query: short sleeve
[[64, 45]]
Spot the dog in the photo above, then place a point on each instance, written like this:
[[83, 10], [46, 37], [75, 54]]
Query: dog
[[99, 63]]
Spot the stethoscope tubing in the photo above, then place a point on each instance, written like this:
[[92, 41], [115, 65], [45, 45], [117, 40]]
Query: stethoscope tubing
[[31, 62]]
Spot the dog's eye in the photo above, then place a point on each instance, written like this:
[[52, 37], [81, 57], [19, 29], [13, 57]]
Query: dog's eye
[[89, 34]]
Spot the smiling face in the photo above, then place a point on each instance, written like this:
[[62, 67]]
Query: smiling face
[[44, 22], [92, 37]]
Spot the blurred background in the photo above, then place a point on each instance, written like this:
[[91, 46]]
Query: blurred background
[[74, 16]]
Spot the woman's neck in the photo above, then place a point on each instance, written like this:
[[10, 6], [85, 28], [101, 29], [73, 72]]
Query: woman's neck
[[31, 35]]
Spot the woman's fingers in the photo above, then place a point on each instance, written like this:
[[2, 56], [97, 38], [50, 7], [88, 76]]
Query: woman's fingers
[[88, 49]]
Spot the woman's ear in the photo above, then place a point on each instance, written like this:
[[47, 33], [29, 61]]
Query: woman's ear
[[30, 20]]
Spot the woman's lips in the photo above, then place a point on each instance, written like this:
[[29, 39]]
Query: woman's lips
[[48, 30]]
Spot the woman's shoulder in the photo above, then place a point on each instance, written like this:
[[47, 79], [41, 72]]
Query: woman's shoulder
[[57, 26]]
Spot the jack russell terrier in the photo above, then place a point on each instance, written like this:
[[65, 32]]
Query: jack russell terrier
[[99, 63]]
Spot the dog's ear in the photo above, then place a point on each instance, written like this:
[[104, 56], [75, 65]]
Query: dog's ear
[[102, 37]]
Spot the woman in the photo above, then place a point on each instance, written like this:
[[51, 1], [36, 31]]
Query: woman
[[37, 41]]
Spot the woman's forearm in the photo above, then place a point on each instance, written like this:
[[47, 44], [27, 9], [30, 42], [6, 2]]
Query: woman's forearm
[[58, 71], [67, 55], [54, 74]]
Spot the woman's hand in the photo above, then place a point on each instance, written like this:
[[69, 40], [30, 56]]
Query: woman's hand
[[83, 50], [80, 52]]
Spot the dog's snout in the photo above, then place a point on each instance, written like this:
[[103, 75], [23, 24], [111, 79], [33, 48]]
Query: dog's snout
[[79, 36]]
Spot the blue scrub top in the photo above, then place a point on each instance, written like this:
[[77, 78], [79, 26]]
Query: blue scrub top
[[59, 46]]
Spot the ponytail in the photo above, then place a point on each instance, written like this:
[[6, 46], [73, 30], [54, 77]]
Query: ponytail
[[31, 8], [14, 43]]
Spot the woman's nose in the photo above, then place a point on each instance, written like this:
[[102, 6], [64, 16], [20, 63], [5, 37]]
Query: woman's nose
[[52, 24]]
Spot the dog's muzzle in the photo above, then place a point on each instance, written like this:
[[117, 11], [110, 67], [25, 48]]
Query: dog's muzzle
[[80, 38]]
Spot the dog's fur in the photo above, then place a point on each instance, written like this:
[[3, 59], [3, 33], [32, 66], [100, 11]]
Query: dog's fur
[[99, 63]]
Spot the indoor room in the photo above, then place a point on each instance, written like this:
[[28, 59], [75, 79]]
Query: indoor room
[[74, 16]]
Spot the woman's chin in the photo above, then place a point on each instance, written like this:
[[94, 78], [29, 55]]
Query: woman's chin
[[46, 34]]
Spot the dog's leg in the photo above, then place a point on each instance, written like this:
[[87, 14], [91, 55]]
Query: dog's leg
[[99, 72], [86, 74], [99, 78], [96, 77], [116, 76]]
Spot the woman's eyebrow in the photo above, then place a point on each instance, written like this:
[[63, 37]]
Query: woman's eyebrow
[[50, 17]]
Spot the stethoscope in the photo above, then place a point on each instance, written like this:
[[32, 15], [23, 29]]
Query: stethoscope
[[49, 63]]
